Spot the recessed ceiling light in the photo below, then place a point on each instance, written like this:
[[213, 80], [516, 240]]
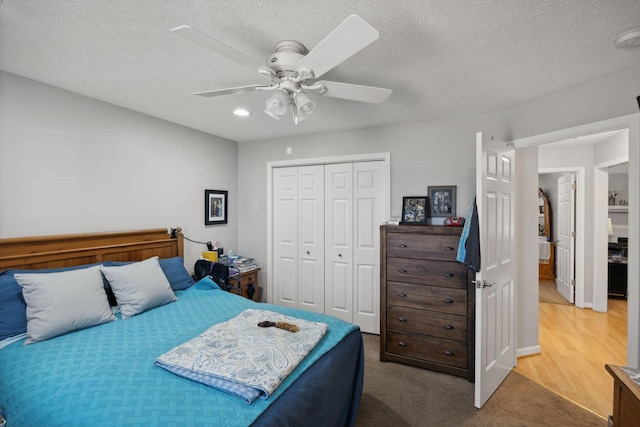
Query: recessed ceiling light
[[628, 38], [241, 112]]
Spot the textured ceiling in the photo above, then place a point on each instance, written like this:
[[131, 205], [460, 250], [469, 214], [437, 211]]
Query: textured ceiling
[[441, 58]]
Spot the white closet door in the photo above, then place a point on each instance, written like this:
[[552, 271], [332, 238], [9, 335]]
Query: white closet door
[[311, 238], [285, 236], [369, 213], [339, 241]]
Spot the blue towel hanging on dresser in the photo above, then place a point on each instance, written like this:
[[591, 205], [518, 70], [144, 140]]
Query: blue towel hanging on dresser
[[469, 246]]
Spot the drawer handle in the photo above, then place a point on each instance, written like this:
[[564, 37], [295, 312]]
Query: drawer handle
[[448, 327], [402, 270], [402, 246], [448, 275], [402, 343], [449, 353], [402, 319], [447, 301], [449, 248], [402, 295]]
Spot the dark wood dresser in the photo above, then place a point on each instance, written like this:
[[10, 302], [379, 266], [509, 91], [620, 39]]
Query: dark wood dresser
[[626, 396], [427, 301]]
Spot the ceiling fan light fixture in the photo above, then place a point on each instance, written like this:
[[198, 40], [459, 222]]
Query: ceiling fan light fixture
[[304, 105], [277, 104]]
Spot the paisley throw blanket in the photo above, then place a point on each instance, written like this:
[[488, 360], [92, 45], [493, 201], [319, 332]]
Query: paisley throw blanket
[[241, 358]]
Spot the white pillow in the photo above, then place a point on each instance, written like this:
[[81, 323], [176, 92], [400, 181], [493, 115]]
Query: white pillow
[[62, 302], [139, 286]]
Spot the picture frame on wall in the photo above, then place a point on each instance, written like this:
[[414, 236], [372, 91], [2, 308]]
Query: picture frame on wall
[[415, 210], [215, 207], [443, 201]]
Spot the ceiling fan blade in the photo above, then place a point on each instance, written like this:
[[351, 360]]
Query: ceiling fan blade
[[353, 35], [375, 95], [230, 91], [217, 46]]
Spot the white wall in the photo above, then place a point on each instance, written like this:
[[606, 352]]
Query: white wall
[[71, 164], [611, 96], [527, 244]]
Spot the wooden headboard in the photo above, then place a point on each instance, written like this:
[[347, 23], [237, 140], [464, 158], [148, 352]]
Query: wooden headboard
[[67, 250]]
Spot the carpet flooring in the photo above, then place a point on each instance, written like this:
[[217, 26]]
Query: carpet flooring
[[398, 395]]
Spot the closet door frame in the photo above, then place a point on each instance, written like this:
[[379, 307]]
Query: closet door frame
[[384, 157]]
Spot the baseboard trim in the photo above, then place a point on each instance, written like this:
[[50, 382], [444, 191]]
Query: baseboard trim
[[528, 351]]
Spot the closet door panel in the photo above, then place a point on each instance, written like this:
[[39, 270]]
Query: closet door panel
[[339, 241], [311, 238], [369, 213], [285, 232]]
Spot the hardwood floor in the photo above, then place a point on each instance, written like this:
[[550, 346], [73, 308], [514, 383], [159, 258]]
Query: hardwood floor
[[575, 345]]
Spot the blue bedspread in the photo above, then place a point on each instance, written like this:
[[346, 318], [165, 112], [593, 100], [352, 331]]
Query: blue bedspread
[[105, 375]]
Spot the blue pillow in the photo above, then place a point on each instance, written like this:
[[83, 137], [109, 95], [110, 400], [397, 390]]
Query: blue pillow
[[13, 309], [177, 275], [173, 268]]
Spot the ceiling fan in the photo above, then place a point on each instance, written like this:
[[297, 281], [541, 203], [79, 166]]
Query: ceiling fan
[[292, 69]]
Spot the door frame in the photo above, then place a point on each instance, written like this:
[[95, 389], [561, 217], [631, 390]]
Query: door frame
[[601, 213], [580, 227], [631, 122], [367, 157]]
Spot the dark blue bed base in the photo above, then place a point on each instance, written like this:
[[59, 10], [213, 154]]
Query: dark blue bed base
[[341, 390]]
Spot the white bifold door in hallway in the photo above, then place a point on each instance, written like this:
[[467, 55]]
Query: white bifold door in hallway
[[326, 239]]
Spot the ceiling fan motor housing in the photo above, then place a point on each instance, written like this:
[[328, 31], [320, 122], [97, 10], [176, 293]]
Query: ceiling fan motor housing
[[288, 54]]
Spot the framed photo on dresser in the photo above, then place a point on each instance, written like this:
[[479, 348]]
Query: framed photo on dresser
[[443, 200], [414, 210]]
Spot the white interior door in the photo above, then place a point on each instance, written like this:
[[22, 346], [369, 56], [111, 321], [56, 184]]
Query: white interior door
[[311, 238], [339, 241], [369, 212], [285, 236], [495, 292], [565, 251]]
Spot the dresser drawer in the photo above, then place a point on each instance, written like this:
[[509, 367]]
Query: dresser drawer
[[441, 325], [439, 350], [436, 247], [447, 274], [433, 298]]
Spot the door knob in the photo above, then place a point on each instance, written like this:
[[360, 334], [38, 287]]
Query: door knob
[[481, 284]]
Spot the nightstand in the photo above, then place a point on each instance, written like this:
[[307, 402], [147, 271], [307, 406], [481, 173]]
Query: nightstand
[[249, 284]]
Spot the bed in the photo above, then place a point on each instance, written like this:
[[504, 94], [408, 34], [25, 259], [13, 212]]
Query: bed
[[105, 374]]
